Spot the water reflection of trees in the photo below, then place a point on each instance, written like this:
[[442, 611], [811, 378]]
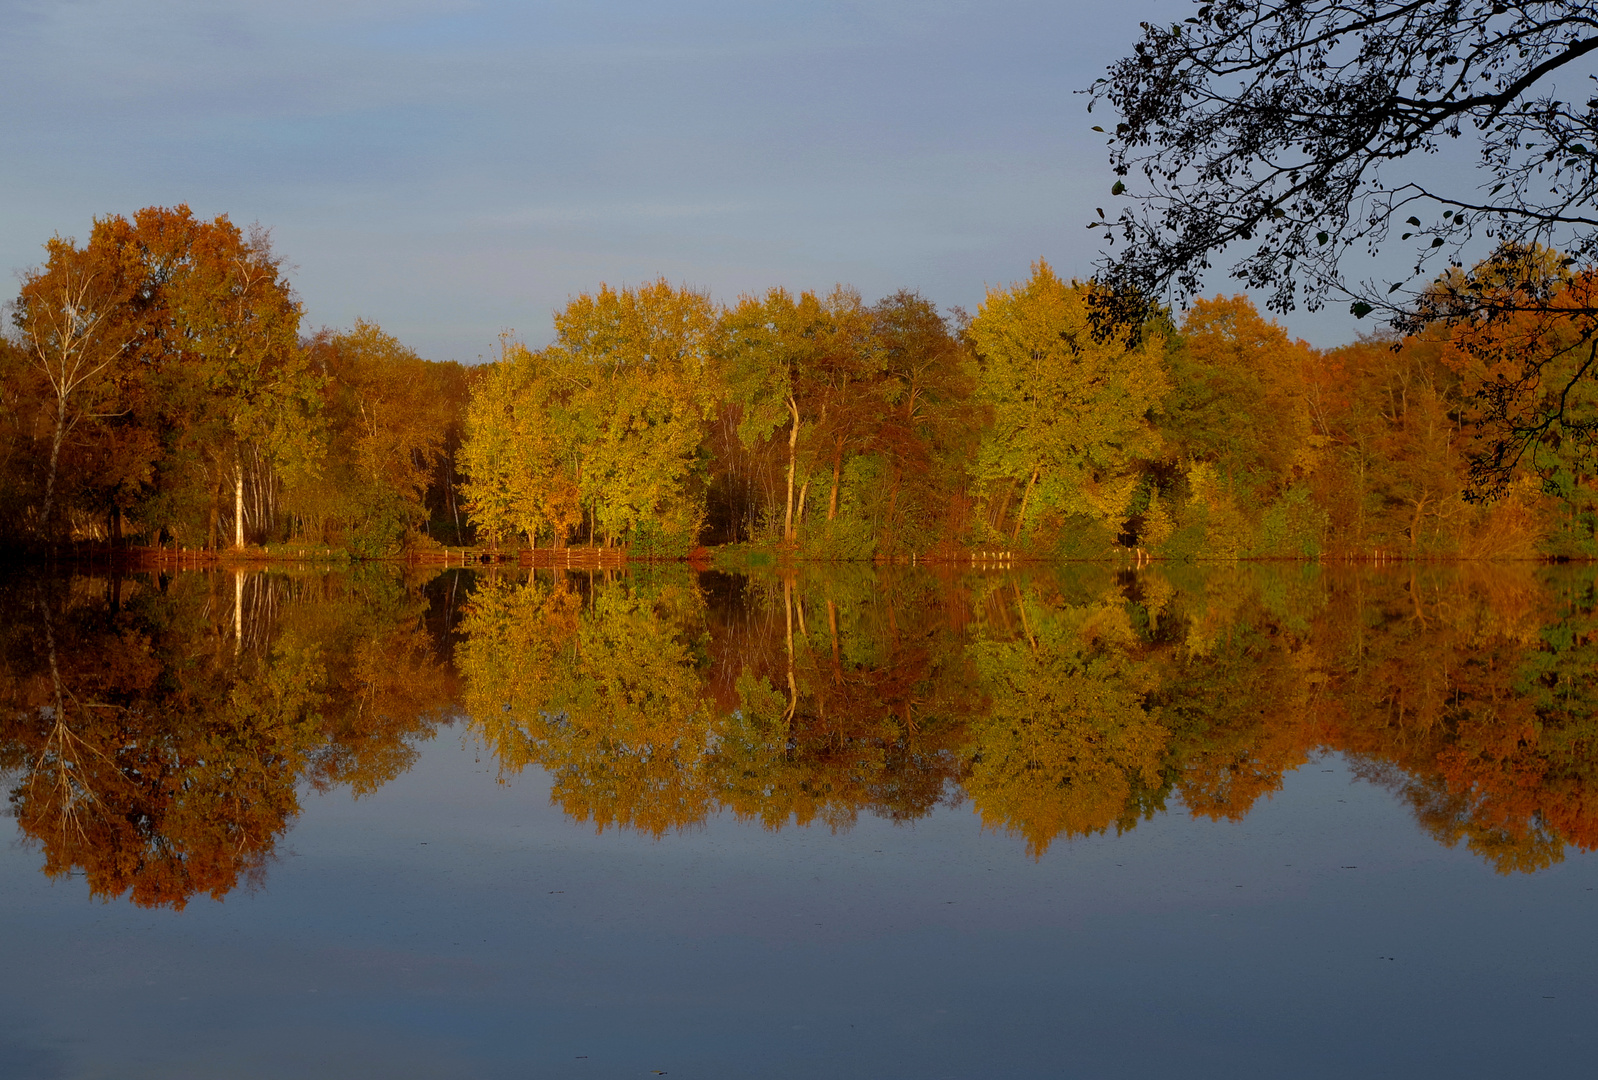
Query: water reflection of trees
[[655, 698], [155, 731], [1060, 703]]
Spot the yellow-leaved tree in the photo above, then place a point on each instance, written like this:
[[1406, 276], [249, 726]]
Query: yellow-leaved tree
[[607, 697], [641, 365], [603, 426], [1070, 415], [523, 451]]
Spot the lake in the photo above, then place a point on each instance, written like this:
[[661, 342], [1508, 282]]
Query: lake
[[1073, 821]]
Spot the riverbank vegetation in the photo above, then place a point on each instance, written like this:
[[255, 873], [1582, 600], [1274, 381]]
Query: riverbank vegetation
[[160, 389]]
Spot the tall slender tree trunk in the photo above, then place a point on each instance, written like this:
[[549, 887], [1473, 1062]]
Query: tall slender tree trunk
[[1020, 515], [793, 440], [213, 513], [1414, 528], [793, 686], [56, 439], [1000, 507], [238, 504], [1020, 605], [837, 471], [837, 656], [889, 519]]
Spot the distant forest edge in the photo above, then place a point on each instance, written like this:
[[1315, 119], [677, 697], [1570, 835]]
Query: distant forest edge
[[157, 388]]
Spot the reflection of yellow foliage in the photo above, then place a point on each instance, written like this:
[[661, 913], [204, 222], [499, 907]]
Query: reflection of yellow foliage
[[1226, 593], [1066, 736], [1242, 715], [394, 691], [1467, 690], [607, 698], [1157, 592]]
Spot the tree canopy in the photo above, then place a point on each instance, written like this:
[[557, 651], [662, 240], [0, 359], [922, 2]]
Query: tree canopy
[[157, 388], [1277, 126], [1274, 140]]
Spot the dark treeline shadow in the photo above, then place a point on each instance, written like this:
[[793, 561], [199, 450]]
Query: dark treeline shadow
[[155, 731]]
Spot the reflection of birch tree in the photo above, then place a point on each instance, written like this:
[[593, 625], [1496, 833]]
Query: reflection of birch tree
[[158, 737]]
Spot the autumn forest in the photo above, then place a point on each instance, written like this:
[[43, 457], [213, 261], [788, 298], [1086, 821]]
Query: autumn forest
[[161, 390], [160, 732], [1079, 647]]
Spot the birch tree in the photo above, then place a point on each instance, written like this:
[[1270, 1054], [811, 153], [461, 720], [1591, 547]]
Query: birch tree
[[73, 320], [234, 388]]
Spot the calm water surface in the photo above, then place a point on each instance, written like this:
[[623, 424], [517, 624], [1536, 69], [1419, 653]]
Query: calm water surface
[[1255, 821]]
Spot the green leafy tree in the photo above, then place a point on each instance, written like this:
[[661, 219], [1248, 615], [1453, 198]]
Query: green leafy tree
[[524, 447], [1071, 414], [768, 353], [609, 419], [643, 364]]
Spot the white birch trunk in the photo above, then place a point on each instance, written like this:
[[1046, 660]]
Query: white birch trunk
[[238, 505]]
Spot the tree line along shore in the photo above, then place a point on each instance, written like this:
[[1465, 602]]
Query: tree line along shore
[[161, 393]]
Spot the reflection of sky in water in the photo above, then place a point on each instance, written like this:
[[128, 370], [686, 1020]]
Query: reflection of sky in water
[[450, 926]]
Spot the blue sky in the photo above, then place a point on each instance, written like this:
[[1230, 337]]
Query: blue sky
[[451, 169]]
